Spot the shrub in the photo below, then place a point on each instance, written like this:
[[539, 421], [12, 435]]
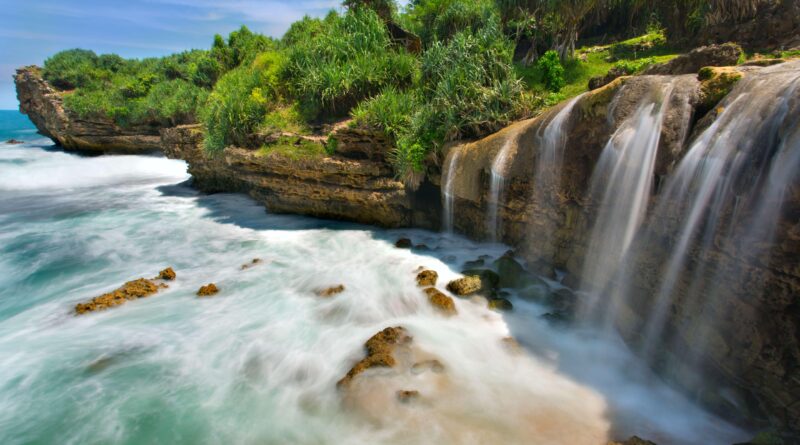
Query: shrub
[[439, 20], [345, 60], [552, 71]]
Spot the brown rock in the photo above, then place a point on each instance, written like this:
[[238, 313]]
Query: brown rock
[[380, 352], [406, 396], [403, 243], [465, 286], [500, 304], [14, 142], [131, 290], [441, 301], [331, 291], [207, 290], [427, 278], [251, 263], [166, 274]]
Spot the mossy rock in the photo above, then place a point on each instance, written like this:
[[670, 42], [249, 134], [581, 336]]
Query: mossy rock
[[715, 84], [500, 304], [489, 278], [513, 275]]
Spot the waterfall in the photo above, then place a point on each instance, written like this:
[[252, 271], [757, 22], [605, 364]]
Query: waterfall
[[621, 184], [448, 179], [498, 172], [727, 192]]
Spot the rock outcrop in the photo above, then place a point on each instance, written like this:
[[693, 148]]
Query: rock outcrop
[[132, 290], [45, 107], [380, 350], [207, 290], [727, 54]]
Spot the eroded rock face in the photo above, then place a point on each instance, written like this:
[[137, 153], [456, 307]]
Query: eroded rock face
[[772, 24], [44, 106]]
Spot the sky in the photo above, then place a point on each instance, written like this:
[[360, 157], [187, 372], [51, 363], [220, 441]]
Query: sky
[[32, 30]]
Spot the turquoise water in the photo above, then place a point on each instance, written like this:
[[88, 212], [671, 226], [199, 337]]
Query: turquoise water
[[258, 363]]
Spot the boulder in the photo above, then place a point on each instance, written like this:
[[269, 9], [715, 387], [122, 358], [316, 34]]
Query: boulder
[[131, 290], [403, 243], [489, 278], [465, 286], [427, 278], [441, 301], [727, 54], [380, 350], [512, 274], [330, 291], [207, 290]]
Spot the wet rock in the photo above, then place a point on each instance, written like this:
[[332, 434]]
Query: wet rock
[[601, 81], [512, 274], [167, 274], [406, 396], [441, 301], [131, 290], [557, 318], [380, 350], [465, 286], [207, 290], [475, 264], [14, 142], [251, 263], [500, 304], [727, 54], [489, 278], [427, 278], [428, 365], [331, 291], [403, 243], [422, 247], [633, 441]]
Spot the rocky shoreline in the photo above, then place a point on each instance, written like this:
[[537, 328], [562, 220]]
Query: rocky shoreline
[[756, 358]]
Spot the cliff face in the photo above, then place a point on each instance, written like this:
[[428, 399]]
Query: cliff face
[[44, 106], [334, 187], [703, 277]]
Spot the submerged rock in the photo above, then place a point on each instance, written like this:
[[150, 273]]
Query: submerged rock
[[331, 291], [251, 263], [427, 278], [380, 350], [441, 301], [167, 274], [512, 274], [14, 142], [500, 304], [403, 243], [465, 286], [489, 278], [634, 440], [427, 365], [131, 290], [207, 290]]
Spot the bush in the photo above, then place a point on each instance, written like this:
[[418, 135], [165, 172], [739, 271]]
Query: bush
[[71, 69], [439, 20], [343, 61], [552, 71]]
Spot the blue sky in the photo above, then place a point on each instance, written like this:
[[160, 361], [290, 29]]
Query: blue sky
[[32, 30]]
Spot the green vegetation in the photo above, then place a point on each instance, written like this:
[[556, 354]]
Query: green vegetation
[[476, 67]]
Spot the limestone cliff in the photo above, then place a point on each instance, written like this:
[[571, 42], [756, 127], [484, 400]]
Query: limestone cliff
[[44, 106]]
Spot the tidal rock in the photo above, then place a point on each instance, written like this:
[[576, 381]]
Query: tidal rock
[[465, 286], [14, 142], [406, 396], [207, 290], [380, 350], [500, 304], [167, 274], [131, 290], [427, 278], [331, 291], [441, 301], [727, 54], [403, 243]]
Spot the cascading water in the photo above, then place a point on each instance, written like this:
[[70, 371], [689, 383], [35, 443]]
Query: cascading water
[[621, 185], [727, 192], [498, 172], [449, 196]]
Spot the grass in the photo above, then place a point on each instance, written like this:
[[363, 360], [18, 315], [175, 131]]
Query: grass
[[294, 148], [595, 61]]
